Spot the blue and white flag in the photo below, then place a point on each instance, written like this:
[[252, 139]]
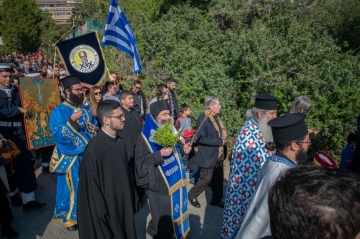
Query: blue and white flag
[[118, 34]]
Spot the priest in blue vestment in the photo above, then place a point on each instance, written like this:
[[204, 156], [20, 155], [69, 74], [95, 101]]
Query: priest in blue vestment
[[72, 127], [291, 143], [160, 170]]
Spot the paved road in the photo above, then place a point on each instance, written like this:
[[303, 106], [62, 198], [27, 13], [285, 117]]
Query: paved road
[[205, 222]]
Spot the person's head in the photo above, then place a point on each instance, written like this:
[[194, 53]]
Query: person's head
[[82, 55], [126, 99], [5, 75], [109, 88], [114, 76], [40, 58], [300, 105], [171, 83], [40, 52], [110, 115], [162, 96], [95, 97], [162, 88], [160, 111], [264, 110], [136, 87], [315, 202], [73, 89], [96, 94], [352, 140], [27, 57], [18, 59], [185, 110], [27, 65], [212, 103], [291, 136], [56, 71]]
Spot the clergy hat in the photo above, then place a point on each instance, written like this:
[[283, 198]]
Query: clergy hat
[[5, 67], [69, 81], [288, 127], [157, 107], [265, 102]]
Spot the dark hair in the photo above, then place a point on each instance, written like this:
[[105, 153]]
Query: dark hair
[[170, 80], [281, 146], [161, 95], [352, 137], [108, 85], [93, 102], [184, 107], [160, 88], [315, 202], [87, 92], [124, 94], [105, 108], [136, 82]]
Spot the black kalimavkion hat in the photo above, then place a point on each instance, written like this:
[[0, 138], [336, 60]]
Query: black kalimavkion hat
[[157, 107], [265, 102], [288, 127], [69, 81]]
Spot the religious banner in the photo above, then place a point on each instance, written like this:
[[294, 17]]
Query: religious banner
[[83, 57], [39, 96]]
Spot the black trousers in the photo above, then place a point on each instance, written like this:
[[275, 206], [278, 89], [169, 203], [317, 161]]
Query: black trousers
[[207, 175], [23, 167], [5, 210]]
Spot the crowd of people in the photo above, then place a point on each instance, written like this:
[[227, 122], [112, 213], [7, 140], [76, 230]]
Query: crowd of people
[[107, 160]]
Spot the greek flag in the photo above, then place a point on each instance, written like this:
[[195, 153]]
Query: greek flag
[[118, 34]]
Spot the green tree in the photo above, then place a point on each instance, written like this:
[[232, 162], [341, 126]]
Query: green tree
[[21, 25]]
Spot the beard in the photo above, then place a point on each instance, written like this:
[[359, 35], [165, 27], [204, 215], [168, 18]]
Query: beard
[[265, 129], [161, 123], [116, 126], [301, 156], [76, 99]]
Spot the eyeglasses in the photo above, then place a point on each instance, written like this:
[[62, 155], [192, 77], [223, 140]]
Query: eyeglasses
[[80, 90], [138, 87], [97, 93], [305, 142], [120, 117]]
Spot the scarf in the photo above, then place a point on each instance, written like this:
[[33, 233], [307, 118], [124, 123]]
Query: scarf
[[221, 131]]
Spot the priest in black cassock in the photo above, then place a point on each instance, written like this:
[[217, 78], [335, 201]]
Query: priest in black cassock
[[161, 172], [106, 194], [130, 133]]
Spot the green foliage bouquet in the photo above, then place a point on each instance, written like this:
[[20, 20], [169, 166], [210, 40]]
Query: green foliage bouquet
[[165, 136]]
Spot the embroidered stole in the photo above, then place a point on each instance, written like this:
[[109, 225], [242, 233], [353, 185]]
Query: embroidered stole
[[174, 175], [222, 132], [61, 163]]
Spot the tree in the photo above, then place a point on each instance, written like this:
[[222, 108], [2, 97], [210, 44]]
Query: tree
[[21, 25]]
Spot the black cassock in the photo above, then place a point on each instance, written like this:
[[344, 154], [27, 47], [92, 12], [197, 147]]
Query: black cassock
[[149, 176], [130, 133], [105, 194]]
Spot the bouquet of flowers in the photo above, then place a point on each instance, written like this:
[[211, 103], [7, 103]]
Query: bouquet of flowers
[[165, 136]]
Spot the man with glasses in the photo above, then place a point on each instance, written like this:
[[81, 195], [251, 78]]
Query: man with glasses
[[291, 142], [72, 127], [139, 101], [106, 193]]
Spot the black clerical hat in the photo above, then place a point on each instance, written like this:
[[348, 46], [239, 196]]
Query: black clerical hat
[[5, 67], [157, 107], [288, 127], [70, 80], [265, 102]]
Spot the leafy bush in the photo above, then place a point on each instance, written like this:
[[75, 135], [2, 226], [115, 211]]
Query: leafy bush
[[235, 50]]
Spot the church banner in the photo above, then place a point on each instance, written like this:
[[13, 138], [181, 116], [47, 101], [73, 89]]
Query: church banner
[[83, 57], [39, 96]]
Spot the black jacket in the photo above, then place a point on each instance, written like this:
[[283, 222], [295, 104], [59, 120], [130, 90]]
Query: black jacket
[[174, 101], [208, 142], [31, 71]]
